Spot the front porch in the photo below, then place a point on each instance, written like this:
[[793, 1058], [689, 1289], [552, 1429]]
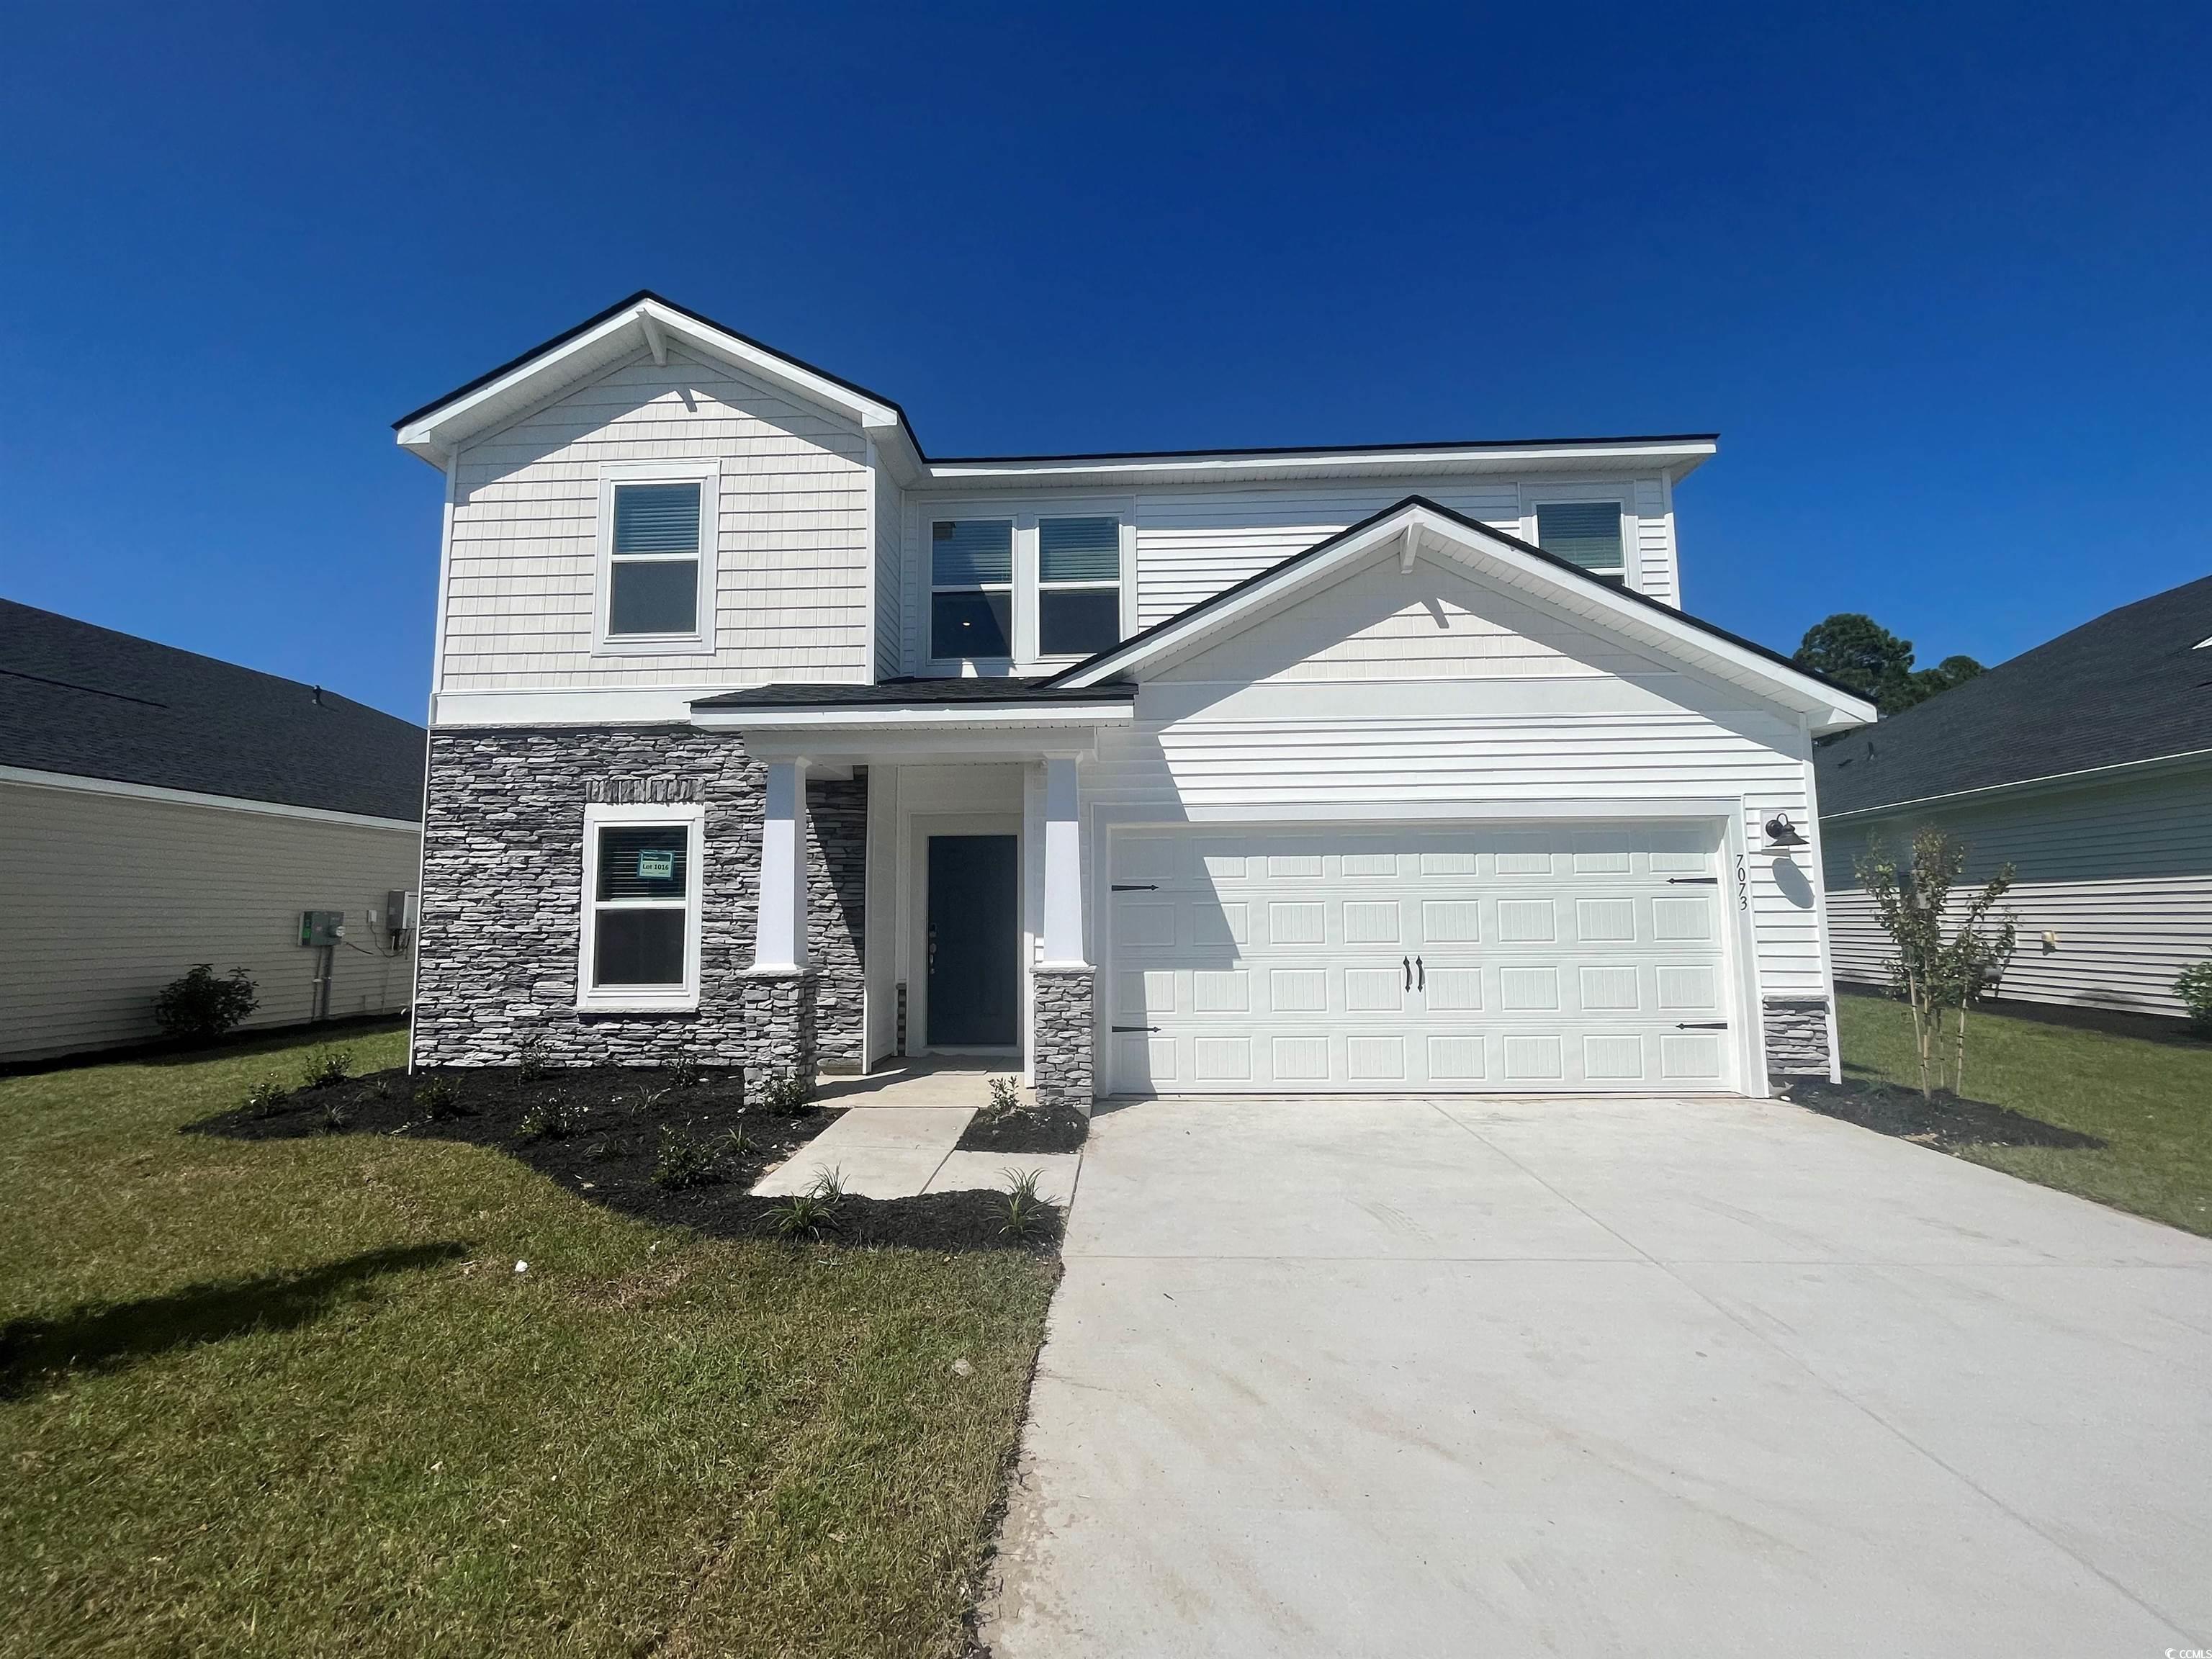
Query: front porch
[[974, 948]]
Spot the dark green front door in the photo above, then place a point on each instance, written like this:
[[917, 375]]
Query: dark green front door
[[975, 942]]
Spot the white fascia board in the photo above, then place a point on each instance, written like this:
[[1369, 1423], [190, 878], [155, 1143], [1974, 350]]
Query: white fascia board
[[435, 436], [943, 718], [1674, 458], [1653, 626], [275, 809], [652, 705]]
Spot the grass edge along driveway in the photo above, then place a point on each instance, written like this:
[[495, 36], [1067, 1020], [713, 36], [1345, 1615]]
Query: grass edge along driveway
[[2150, 1100], [295, 1398]]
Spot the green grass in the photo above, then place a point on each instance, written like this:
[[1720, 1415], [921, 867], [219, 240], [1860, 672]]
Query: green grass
[[2152, 1102], [314, 1409]]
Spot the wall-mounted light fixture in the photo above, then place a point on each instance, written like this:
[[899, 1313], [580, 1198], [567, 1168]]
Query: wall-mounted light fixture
[[1782, 836]]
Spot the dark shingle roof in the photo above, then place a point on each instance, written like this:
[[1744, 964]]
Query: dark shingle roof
[[2130, 686], [94, 703], [911, 690]]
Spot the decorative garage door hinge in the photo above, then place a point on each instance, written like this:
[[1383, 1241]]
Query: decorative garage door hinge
[[1135, 887], [1693, 881], [1136, 1027], [1701, 1025]]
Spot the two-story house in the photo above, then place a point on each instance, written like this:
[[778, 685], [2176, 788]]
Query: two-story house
[[760, 734]]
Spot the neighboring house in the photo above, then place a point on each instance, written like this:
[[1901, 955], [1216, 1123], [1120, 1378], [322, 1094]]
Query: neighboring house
[[2087, 765], [760, 733], [160, 808]]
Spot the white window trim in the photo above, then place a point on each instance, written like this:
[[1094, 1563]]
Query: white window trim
[[657, 998], [701, 640], [1026, 586], [931, 587], [1622, 495]]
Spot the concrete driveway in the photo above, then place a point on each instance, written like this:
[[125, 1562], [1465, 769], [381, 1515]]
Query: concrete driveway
[[1603, 1377]]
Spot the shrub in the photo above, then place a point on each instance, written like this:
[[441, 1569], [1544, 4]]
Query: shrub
[[685, 1161], [683, 1072], [531, 1064], [438, 1097], [811, 1213], [790, 1095], [1006, 1096], [2194, 988], [550, 1120], [200, 1007], [1025, 1211], [265, 1099], [326, 1066]]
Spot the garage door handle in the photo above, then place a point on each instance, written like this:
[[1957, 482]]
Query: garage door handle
[[1136, 1027], [1693, 881], [1406, 963], [1136, 887], [1701, 1025], [1420, 975]]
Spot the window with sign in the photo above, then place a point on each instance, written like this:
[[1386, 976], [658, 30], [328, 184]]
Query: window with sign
[[640, 944]]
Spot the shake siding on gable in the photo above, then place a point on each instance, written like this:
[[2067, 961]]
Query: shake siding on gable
[[1530, 710], [2120, 872], [795, 579]]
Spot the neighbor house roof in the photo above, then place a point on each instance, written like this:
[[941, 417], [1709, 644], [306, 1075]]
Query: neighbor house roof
[[648, 322], [90, 702], [2135, 685]]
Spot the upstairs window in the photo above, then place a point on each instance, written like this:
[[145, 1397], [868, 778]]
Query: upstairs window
[[972, 589], [653, 574], [1079, 586], [1587, 533]]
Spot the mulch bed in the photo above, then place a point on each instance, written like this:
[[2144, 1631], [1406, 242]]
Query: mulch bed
[[618, 1122], [1026, 1129], [1947, 1122]]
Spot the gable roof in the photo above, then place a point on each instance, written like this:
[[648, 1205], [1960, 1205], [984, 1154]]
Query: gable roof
[[2132, 686], [90, 702], [647, 320], [1422, 527]]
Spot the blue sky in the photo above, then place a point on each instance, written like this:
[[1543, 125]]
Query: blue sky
[[1938, 277]]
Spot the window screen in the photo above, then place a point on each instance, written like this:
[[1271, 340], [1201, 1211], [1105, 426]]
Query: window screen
[[1587, 533]]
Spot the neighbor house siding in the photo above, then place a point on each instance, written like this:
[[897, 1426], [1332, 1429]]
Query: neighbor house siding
[[1535, 711], [2120, 873], [795, 575], [105, 898]]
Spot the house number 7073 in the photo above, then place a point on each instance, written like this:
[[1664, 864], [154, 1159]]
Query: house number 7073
[[1742, 885]]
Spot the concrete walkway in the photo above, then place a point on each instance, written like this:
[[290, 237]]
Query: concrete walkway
[[1603, 1377], [899, 1152]]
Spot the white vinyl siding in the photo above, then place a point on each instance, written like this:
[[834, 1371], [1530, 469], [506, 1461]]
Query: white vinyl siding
[[1560, 717], [2121, 873], [107, 898], [1191, 541], [795, 577]]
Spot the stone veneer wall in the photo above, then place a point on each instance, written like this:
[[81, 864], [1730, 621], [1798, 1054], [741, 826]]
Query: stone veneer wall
[[1062, 1037], [502, 880], [1796, 1038]]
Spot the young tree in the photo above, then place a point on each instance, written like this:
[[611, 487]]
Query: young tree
[[1935, 971]]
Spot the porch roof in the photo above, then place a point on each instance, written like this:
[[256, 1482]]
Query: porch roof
[[911, 691]]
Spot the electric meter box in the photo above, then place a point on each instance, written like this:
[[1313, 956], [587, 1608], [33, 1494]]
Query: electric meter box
[[399, 913], [321, 927]]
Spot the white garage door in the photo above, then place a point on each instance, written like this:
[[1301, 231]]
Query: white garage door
[[1467, 961]]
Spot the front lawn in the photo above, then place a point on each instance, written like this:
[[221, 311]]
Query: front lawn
[[295, 1397], [2150, 1102]]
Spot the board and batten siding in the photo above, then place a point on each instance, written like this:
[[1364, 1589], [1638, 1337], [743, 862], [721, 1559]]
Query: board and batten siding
[[1194, 540], [795, 575], [1497, 703], [105, 898], [2120, 872]]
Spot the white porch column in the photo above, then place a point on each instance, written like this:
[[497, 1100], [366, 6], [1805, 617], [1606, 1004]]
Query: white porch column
[[780, 942], [1063, 866]]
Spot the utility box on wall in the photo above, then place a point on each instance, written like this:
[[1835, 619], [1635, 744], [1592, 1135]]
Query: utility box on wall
[[321, 927]]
